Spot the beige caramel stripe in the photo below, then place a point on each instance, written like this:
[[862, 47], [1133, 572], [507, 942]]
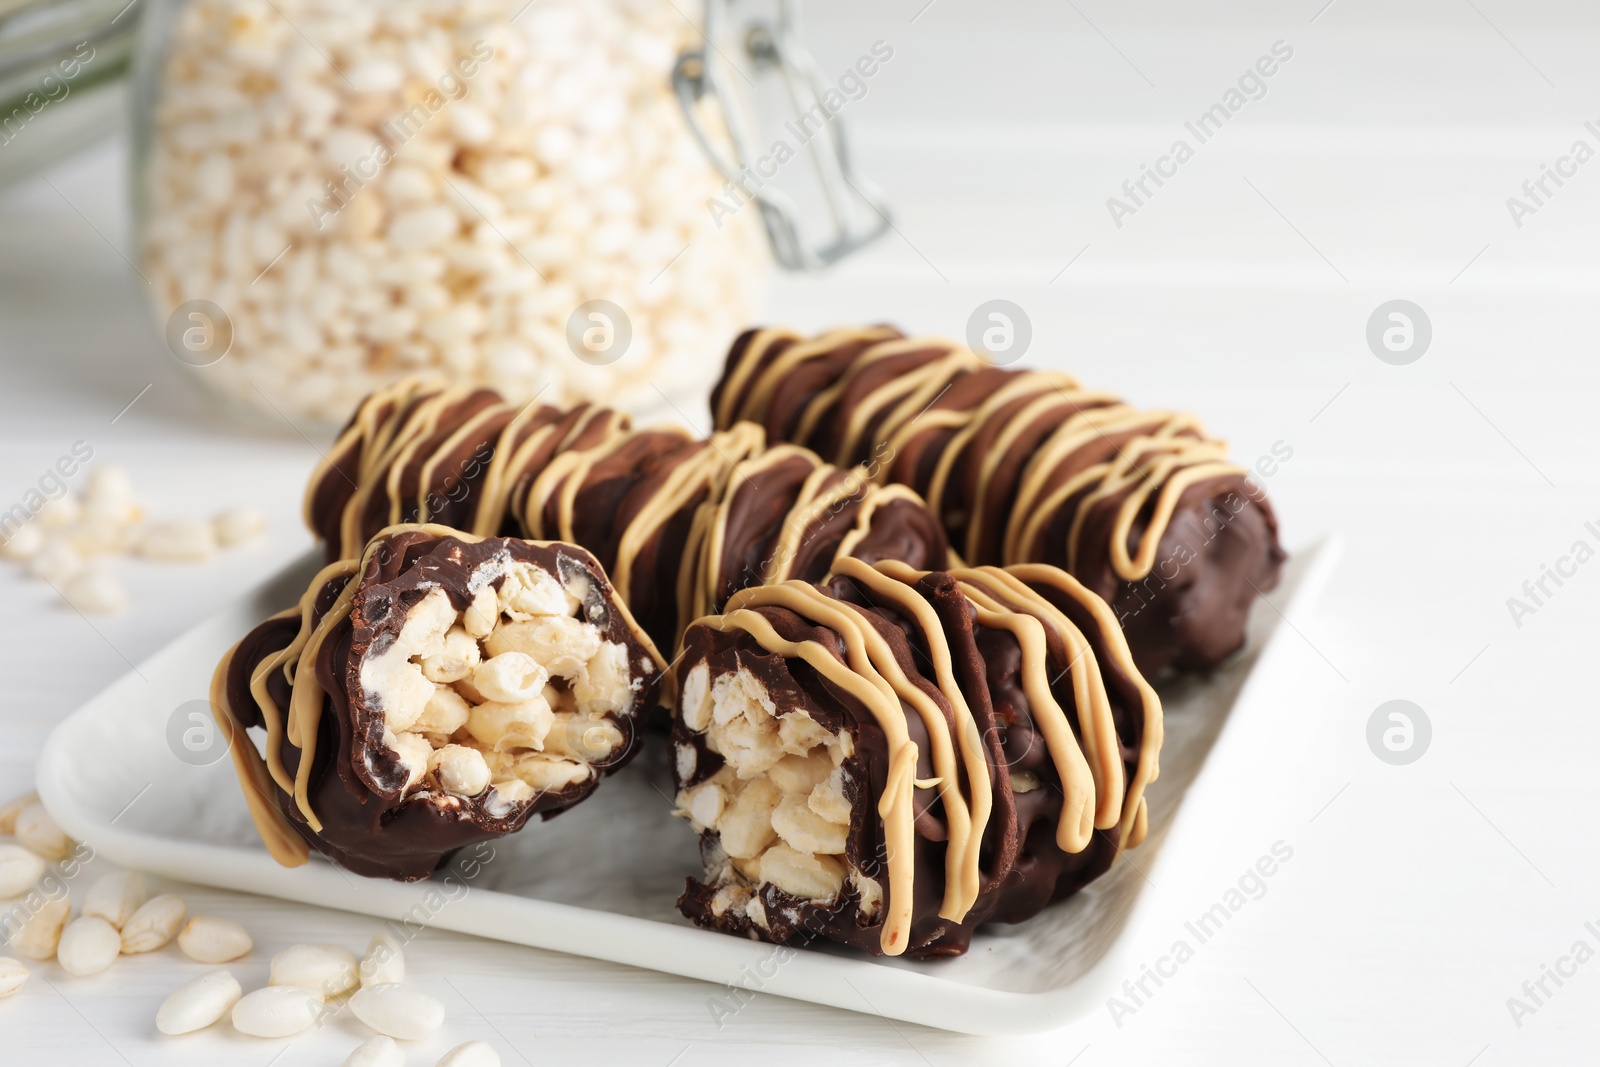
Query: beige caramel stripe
[[911, 413], [1174, 480], [680, 486], [576, 463], [696, 568], [467, 431], [498, 482], [278, 729], [616, 423], [283, 844], [695, 474], [1073, 435], [875, 498], [858, 677], [385, 432], [825, 399], [967, 822], [357, 436], [540, 484], [1148, 768], [714, 530], [543, 485], [939, 419], [372, 453], [1096, 725], [306, 703], [799, 522], [912, 391], [1076, 827], [1144, 464], [392, 475], [697, 577], [378, 465], [771, 380], [1020, 386], [564, 475], [416, 434], [711, 530], [957, 814], [739, 374], [996, 452], [271, 715], [567, 506], [813, 498]]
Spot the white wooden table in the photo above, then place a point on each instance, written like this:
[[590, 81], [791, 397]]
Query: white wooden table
[[1377, 166]]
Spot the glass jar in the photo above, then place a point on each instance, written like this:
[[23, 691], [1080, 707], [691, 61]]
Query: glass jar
[[62, 64], [331, 194]]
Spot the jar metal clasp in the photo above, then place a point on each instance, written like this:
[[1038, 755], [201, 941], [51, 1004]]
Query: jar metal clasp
[[857, 209]]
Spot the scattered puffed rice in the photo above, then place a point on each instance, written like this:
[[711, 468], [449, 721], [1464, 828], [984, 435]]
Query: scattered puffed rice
[[384, 963], [96, 536], [96, 591], [12, 975], [380, 1051], [37, 936], [471, 1054], [153, 925], [88, 946], [276, 1011], [398, 1011], [198, 1003], [237, 525], [24, 544], [20, 870], [177, 541], [56, 514], [68, 532], [331, 970], [116, 897], [55, 563], [209, 939], [108, 483], [36, 829], [11, 809], [110, 518]]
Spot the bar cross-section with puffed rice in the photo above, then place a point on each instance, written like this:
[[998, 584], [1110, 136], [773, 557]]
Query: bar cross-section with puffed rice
[[898, 756], [436, 692]]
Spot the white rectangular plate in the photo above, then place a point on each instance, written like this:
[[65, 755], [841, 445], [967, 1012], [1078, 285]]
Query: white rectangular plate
[[601, 880]]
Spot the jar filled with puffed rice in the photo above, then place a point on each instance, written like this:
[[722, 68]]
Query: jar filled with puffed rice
[[336, 193]]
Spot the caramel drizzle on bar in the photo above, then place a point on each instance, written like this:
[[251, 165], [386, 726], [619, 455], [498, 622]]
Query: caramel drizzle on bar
[[391, 426], [1168, 454], [1095, 794], [300, 724]]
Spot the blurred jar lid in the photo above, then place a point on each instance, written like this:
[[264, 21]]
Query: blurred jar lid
[[62, 65]]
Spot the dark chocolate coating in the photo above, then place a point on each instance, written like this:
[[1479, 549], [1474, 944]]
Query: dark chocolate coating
[[370, 825], [1189, 612], [454, 436], [1220, 551], [1022, 868]]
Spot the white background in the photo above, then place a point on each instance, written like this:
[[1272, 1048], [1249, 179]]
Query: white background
[[1376, 167]]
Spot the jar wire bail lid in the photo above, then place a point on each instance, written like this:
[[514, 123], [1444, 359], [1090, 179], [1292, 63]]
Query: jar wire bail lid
[[857, 208]]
